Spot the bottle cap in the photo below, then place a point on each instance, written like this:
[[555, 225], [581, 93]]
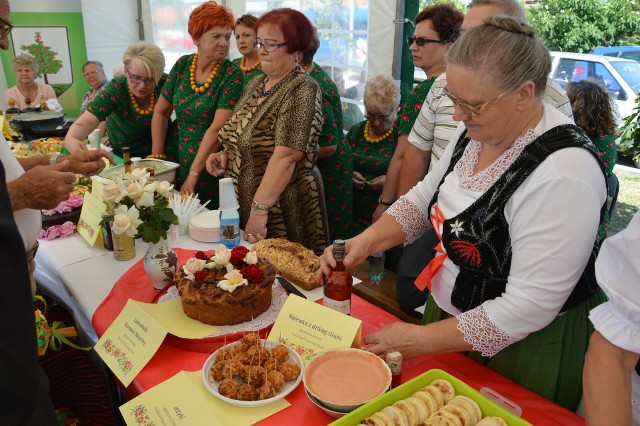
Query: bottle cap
[[228, 200], [338, 249]]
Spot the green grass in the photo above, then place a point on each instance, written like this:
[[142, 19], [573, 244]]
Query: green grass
[[628, 202]]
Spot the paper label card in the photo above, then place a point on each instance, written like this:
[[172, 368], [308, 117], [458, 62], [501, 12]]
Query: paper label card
[[90, 217], [184, 400], [130, 342], [171, 316], [310, 328]]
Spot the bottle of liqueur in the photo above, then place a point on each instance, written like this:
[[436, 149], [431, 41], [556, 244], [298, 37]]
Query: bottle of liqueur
[[337, 285]]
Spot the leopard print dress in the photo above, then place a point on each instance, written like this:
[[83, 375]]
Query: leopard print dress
[[291, 117]]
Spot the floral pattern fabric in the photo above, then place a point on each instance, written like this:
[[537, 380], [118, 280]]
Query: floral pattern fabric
[[412, 106], [125, 126], [337, 170], [371, 160], [195, 113], [606, 148]]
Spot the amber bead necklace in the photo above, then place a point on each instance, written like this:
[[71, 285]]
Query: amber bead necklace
[[375, 140], [192, 76], [147, 111], [248, 69]]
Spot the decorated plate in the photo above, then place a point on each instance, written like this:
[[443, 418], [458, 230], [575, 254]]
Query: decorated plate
[[227, 333], [212, 385]]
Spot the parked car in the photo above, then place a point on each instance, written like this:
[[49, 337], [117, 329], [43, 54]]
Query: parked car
[[621, 77], [627, 52]]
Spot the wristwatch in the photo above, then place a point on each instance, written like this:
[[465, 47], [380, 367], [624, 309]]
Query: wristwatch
[[257, 206], [54, 158], [384, 203]]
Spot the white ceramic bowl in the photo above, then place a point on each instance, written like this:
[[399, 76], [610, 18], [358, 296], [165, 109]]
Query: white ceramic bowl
[[334, 414], [212, 385], [346, 378]]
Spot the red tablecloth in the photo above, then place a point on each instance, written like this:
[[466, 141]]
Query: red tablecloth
[[170, 360]]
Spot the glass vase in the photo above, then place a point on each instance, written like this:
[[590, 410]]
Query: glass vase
[[160, 264]]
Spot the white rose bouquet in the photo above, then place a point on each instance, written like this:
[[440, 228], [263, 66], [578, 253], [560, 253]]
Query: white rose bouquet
[[139, 206]]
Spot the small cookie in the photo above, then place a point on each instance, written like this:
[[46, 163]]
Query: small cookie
[[374, 421], [386, 420], [421, 408], [436, 393], [429, 400], [470, 405], [410, 410], [446, 388], [397, 416], [442, 417], [460, 413]]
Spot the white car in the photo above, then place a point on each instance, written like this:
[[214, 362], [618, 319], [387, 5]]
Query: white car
[[621, 77]]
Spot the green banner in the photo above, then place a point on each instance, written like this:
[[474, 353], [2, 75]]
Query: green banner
[[57, 42]]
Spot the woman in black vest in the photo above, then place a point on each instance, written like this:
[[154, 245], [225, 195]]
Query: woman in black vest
[[515, 201]]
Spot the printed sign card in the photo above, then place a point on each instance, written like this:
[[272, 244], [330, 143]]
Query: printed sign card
[[310, 328], [172, 318], [130, 342], [90, 217], [183, 400]]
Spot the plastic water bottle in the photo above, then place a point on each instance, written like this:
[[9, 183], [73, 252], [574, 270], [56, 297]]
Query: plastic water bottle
[[229, 217], [230, 228]]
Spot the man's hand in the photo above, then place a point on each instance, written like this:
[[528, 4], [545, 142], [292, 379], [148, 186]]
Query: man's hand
[[87, 162], [42, 187]]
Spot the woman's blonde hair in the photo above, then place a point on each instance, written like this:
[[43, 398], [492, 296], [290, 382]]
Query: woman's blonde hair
[[506, 51], [147, 56], [24, 60], [381, 94]]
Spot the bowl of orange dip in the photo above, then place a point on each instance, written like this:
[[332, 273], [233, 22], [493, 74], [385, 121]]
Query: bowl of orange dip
[[346, 378]]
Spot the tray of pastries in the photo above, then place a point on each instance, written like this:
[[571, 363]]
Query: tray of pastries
[[431, 399]]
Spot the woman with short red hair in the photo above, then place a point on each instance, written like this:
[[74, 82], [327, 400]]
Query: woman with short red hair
[[203, 89], [271, 140]]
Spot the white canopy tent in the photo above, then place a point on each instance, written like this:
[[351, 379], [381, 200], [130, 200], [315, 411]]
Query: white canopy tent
[[110, 26]]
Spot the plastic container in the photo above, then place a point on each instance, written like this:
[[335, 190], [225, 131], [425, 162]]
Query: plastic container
[[376, 267], [229, 216]]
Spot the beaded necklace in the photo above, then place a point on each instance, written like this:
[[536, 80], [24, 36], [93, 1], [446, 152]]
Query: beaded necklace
[[192, 76], [248, 69], [307, 67], [376, 140], [147, 111]]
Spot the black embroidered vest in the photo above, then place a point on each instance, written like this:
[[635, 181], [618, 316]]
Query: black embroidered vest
[[477, 240]]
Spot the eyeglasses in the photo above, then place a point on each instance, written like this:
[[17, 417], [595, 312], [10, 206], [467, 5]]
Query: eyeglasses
[[421, 41], [6, 28], [268, 47], [137, 80], [474, 110], [373, 117]]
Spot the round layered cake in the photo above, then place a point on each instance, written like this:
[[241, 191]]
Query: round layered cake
[[225, 287]]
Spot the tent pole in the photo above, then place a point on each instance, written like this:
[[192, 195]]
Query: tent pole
[[140, 21], [403, 62]]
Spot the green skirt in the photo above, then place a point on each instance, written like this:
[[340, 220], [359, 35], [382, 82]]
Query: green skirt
[[548, 362]]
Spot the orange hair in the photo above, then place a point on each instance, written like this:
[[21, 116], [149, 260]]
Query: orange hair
[[209, 14]]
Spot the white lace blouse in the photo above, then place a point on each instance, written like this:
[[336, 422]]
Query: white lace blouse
[[618, 273], [553, 218]]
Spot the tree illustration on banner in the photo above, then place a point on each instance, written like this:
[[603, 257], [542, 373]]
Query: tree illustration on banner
[[45, 57]]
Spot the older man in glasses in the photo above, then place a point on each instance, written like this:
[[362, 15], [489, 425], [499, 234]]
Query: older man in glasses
[[24, 388]]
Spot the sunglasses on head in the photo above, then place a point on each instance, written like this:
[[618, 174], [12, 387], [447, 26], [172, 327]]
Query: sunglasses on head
[[421, 41]]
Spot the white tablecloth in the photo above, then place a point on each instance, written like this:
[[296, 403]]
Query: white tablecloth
[[80, 276]]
